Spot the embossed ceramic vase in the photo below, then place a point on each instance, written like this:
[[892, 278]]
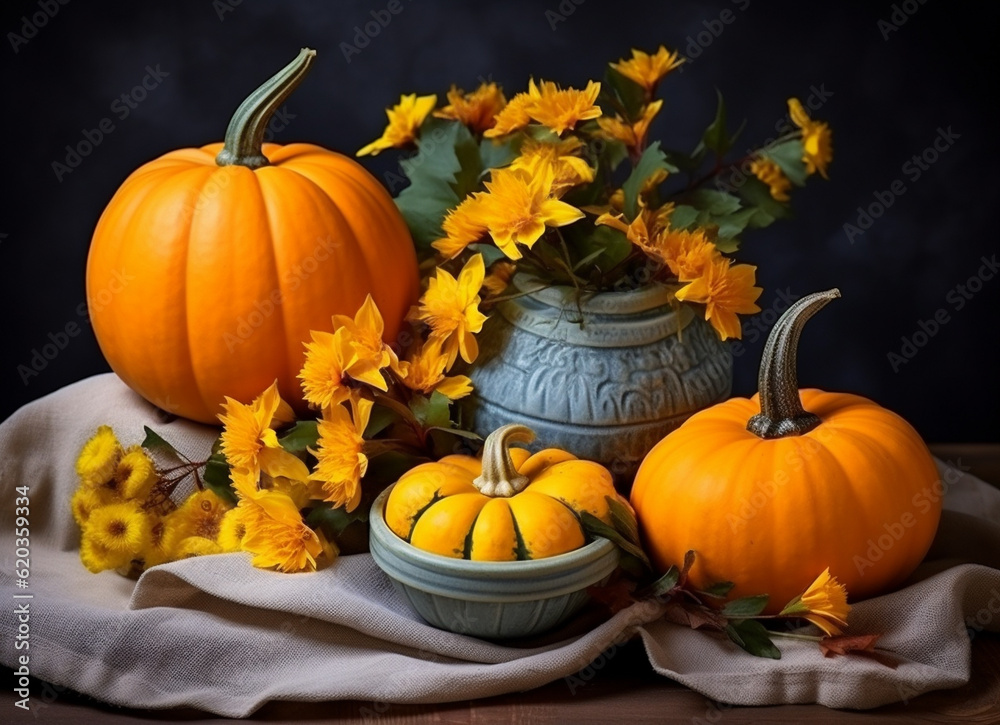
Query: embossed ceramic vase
[[606, 378]]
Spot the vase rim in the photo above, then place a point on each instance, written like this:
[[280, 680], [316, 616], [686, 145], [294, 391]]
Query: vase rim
[[624, 302]]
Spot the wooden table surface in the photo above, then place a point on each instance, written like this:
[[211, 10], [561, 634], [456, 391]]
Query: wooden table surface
[[627, 691]]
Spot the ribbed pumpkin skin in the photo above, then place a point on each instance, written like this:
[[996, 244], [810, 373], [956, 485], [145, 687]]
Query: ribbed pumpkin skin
[[436, 507], [714, 487], [189, 257]]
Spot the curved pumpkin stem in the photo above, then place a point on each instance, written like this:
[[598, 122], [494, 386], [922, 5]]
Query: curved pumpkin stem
[[781, 412], [245, 134], [500, 477]]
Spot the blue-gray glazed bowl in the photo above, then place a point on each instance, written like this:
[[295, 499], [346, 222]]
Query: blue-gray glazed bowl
[[489, 599]]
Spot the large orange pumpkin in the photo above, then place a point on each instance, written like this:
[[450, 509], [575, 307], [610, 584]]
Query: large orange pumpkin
[[769, 495], [211, 265]]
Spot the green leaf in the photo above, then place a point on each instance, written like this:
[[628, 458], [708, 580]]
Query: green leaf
[[617, 90], [348, 530], [683, 217], [715, 138], [154, 441], [599, 247], [380, 419], [665, 583], [788, 157], [446, 168], [304, 434], [754, 638], [754, 192], [651, 161], [745, 606], [490, 252], [718, 589], [432, 412], [595, 527], [623, 519], [495, 154], [216, 478], [716, 203], [732, 225]]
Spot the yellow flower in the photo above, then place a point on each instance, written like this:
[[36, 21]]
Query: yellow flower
[[499, 277], [364, 337], [686, 253], [250, 443], [425, 373], [561, 109], [644, 231], [817, 139], [325, 369], [462, 226], [97, 460], [341, 461], [276, 534], [232, 530], [98, 558], [770, 173], [824, 603], [135, 474], [513, 117], [83, 503], [163, 537], [199, 515], [192, 546], [632, 135], [450, 307], [568, 170], [517, 207], [647, 70], [404, 122], [724, 290], [119, 528], [477, 110]]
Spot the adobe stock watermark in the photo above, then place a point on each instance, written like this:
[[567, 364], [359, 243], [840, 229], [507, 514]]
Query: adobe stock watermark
[[913, 169], [757, 326], [122, 107], [365, 33], [562, 12], [55, 342], [224, 7], [734, 176], [957, 298], [248, 324], [714, 27], [923, 502], [901, 13], [31, 25]]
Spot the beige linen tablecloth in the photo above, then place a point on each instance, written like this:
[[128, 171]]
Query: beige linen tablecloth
[[217, 634]]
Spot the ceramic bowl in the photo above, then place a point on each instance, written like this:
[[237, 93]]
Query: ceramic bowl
[[490, 599]]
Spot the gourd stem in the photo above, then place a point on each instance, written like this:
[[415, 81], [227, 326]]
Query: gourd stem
[[781, 412], [500, 477], [245, 134]]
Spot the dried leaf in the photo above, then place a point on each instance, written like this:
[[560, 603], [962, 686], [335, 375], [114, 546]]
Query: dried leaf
[[694, 616], [858, 644], [616, 595]]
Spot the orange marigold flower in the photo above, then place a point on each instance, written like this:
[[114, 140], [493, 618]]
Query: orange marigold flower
[[477, 110], [824, 603], [404, 122], [513, 117], [450, 307], [462, 226], [648, 69], [561, 109], [568, 170], [771, 174], [725, 290], [686, 253], [817, 139]]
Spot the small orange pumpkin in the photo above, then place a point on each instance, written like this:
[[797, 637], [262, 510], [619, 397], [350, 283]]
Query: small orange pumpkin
[[210, 265], [770, 503], [511, 505]]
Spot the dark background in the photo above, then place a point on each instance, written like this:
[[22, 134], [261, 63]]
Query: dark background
[[889, 98]]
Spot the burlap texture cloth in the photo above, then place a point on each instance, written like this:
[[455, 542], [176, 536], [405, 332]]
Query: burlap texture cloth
[[217, 634]]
